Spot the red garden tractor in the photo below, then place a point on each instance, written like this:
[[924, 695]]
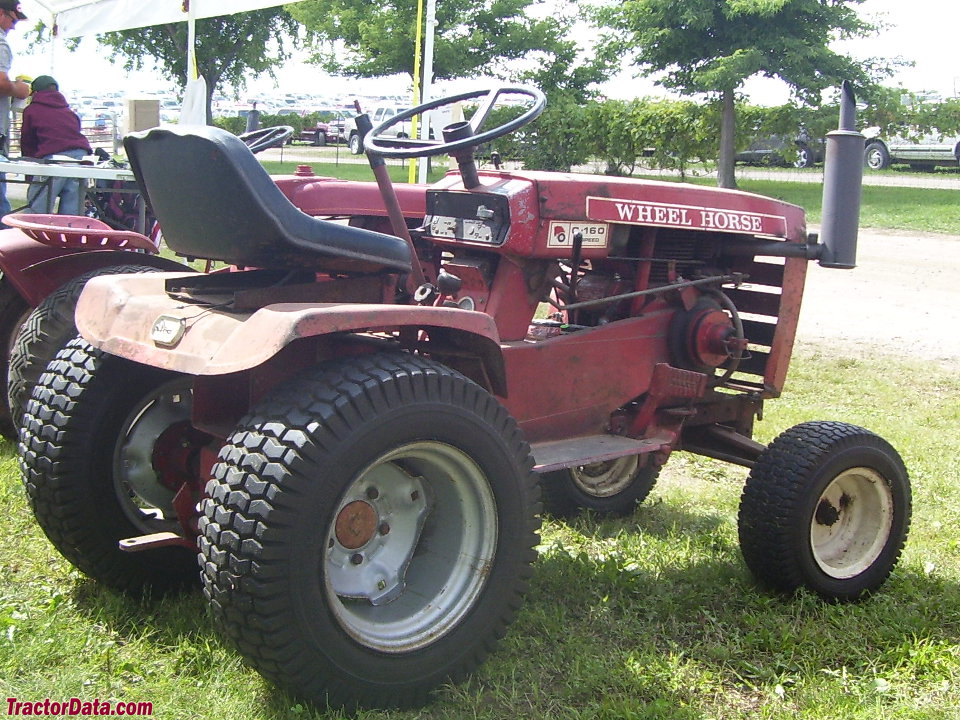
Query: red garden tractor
[[353, 435], [45, 261]]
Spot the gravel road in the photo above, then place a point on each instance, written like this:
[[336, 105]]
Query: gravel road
[[903, 298]]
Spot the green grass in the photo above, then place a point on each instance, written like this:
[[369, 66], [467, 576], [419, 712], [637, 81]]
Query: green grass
[[350, 170], [649, 617], [894, 208]]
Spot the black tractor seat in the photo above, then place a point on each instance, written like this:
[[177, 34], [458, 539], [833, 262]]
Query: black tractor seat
[[215, 201]]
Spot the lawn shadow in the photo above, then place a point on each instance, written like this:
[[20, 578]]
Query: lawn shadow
[[625, 633], [712, 617]]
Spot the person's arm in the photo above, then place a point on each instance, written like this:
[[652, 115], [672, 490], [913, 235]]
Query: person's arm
[[13, 88]]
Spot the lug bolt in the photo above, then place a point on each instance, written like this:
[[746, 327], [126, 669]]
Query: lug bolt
[[372, 493], [383, 529], [415, 495], [356, 558]]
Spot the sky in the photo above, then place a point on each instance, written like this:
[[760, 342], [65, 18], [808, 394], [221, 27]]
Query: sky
[[922, 31]]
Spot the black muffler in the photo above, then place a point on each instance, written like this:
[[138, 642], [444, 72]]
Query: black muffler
[[842, 178]]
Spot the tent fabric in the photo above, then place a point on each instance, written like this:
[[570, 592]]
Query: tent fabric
[[75, 18]]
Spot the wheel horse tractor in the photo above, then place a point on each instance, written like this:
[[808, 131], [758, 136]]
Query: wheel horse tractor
[[352, 428]]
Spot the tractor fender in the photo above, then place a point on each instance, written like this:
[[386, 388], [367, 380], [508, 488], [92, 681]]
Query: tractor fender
[[133, 317], [35, 270]]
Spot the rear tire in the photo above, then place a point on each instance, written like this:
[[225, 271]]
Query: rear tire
[[614, 487], [826, 507], [369, 530], [46, 331], [87, 452]]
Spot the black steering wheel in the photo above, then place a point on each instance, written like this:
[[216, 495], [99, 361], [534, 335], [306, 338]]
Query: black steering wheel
[[457, 137], [264, 138]]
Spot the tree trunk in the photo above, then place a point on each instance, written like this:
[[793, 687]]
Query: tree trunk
[[726, 177]]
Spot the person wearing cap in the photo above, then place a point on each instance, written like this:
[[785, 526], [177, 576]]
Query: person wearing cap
[[51, 129], [10, 15]]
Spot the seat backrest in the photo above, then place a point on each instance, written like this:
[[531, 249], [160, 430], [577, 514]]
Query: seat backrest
[[214, 200]]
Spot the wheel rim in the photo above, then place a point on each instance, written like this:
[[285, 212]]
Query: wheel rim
[[410, 547], [852, 522], [605, 479], [145, 496]]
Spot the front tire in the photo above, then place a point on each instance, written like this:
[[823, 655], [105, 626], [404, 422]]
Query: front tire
[[804, 157], [90, 447], [370, 530], [614, 487], [876, 156], [356, 145], [827, 507]]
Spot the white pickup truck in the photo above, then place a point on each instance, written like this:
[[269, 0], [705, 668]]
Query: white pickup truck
[[377, 115], [922, 151], [438, 119]]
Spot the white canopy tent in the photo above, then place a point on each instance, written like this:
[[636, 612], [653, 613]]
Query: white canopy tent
[[76, 18]]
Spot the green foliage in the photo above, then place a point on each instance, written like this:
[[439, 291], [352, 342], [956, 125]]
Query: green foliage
[[615, 138], [230, 49], [713, 46], [471, 36], [668, 134], [899, 113], [511, 146], [558, 139], [234, 124], [297, 122], [238, 125]]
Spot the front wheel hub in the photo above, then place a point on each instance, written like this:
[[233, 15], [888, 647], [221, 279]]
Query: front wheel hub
[[852, 522]]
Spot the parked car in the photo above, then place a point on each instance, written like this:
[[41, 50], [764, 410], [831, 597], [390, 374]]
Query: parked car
[[801, 151], [924, 151], [330, 128]]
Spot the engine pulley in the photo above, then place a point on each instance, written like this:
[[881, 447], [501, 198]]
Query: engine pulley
[[704, 337]]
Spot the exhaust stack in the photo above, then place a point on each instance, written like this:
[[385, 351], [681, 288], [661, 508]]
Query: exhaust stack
[[842, 178]]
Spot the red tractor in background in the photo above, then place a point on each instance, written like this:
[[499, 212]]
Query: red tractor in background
[[354, 435], [45, 261]]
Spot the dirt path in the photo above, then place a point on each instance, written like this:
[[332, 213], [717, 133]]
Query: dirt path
[[903, 298]]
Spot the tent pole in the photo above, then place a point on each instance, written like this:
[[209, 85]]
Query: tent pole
[[192, 72], [427, 91]]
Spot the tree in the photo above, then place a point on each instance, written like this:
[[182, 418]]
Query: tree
[[356, 38], [713, 46], [229, 49]]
